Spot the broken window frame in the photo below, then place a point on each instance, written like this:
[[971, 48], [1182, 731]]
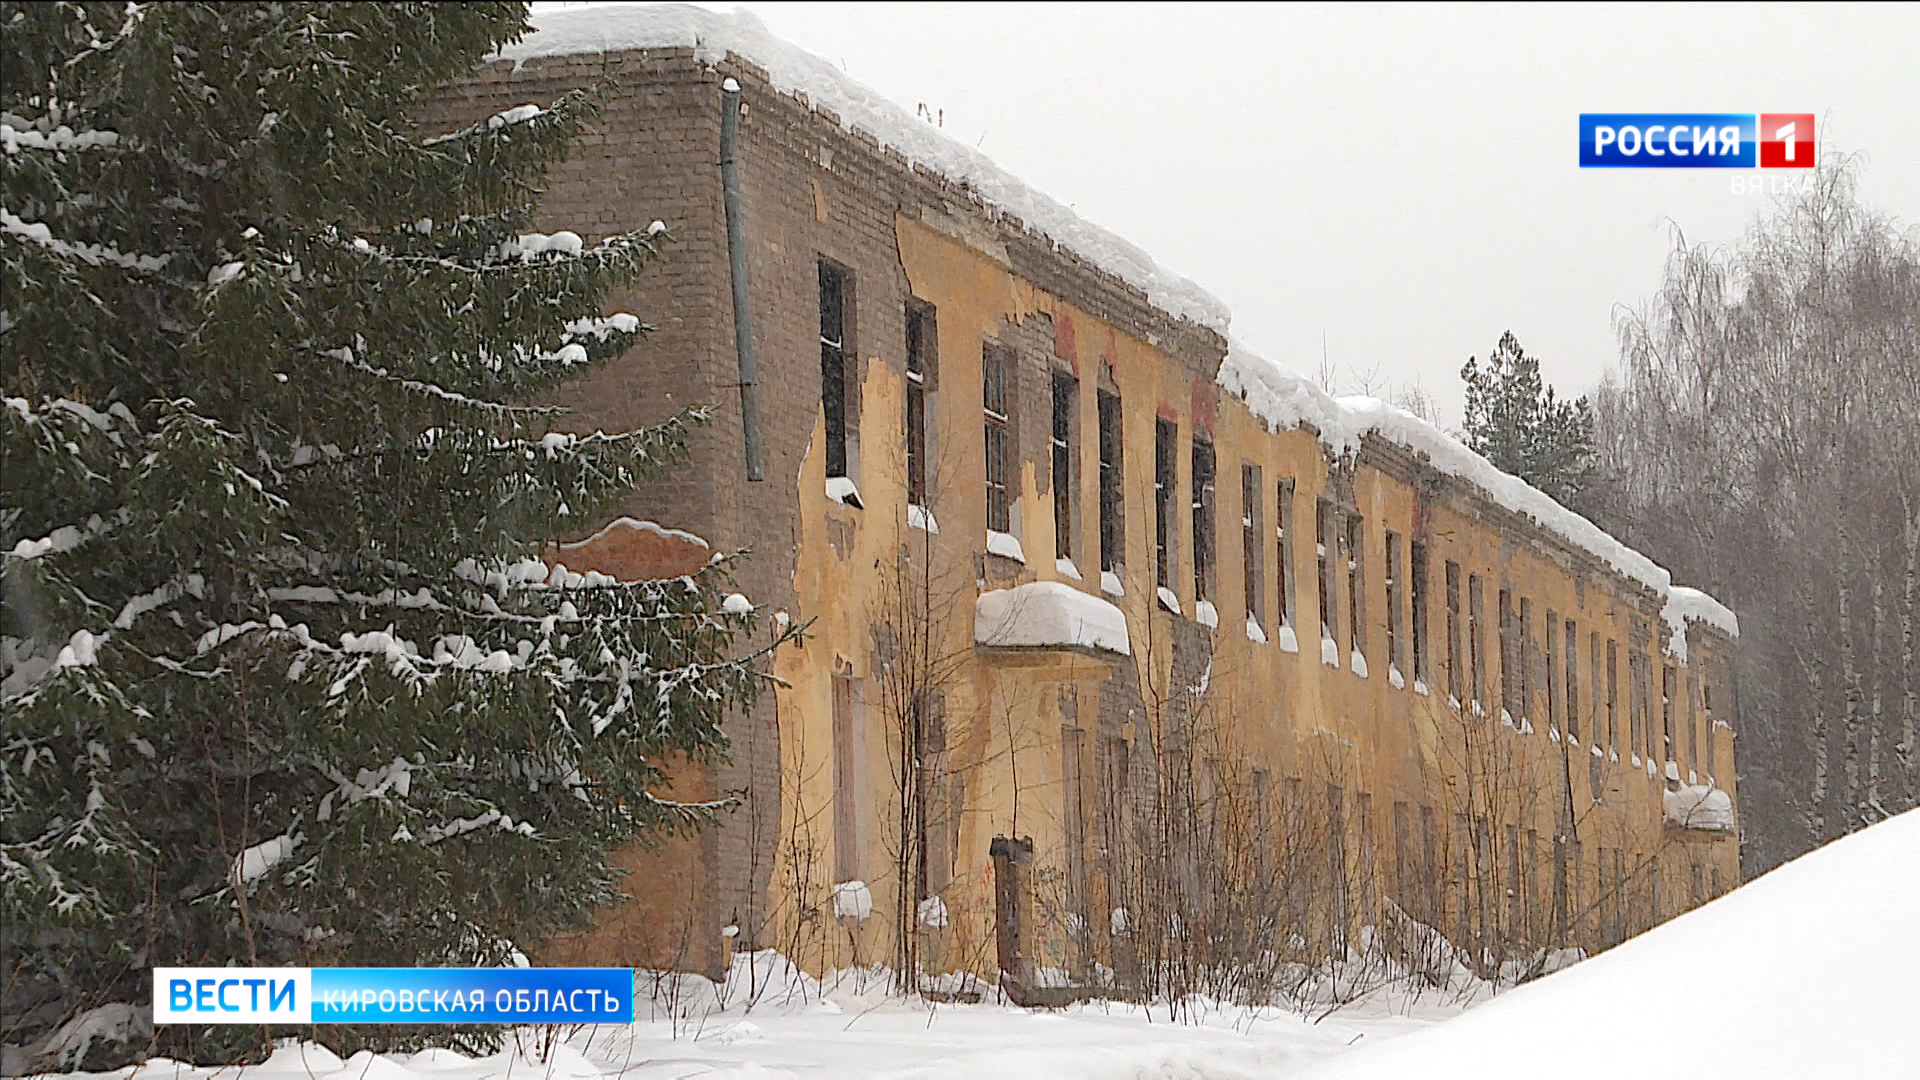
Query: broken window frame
[[1324, 546], [1201, 479], [1509, 646], [1553, 670], [1354, 546], [1165, 446], [1283, 551], [1525, 631], [1417, 590], [1252, 547], [921, 349], [1476, 650], [1668, 687], [996, 371], [1396, 598], [835, 286], [1570, 682], [1456, 682], [1113, 535], [1613, 697], [1066, 401]]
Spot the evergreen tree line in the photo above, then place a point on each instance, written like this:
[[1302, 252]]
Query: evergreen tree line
[[1518, 422], [286, 681], [1761, 439]]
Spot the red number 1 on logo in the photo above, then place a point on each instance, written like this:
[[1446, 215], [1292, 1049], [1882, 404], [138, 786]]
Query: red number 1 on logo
[[1786, 140]]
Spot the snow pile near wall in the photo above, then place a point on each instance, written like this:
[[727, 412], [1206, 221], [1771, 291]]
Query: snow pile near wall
[[712, 35], [852, 900], [1698, 806], [1807, 971], [1048, 615]]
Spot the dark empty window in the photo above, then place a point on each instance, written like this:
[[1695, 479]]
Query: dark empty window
[[1526, 659], [1113, 535], [1509, 658], [1706, 707], [996, 370], [1669, 746], [1417, 556], [1065, 391], [1553, 670], [1613, 697], [1163, 451], [1356, 549], [920, 338], [1396, 599], [1455, 685], [1571, 643], [1252, 544], [1688, 682], [1476, 663], [833, 364], [1283, 550], [1636, 700], [1202, 520], [1323, 542]]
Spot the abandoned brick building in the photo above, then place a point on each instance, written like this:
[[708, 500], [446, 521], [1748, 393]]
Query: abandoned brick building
[[1103, 609]]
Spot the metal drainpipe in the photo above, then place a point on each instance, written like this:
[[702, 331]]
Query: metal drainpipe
[[737, 264]]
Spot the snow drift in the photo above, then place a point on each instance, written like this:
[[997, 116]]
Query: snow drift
[[1809, 971]]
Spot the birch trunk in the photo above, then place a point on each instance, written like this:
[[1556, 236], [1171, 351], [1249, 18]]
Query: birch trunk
[[1850, 715], [1910, 708]]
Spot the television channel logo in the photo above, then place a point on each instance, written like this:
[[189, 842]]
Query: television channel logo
[[1696, 140], [392, 995]]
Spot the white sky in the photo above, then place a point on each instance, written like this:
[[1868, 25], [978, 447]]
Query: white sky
[[1402, 180]]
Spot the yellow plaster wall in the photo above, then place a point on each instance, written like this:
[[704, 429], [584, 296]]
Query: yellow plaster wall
[[1284, 710]]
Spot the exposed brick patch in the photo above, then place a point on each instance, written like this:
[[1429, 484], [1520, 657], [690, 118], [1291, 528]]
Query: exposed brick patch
[[631, 550]]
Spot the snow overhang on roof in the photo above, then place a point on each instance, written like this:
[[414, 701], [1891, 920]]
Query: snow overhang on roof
[[1271, 391], [1049, 615], [712, 35], [1686, 606]]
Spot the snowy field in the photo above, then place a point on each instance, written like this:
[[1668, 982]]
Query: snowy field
[[1812, 971], [847, 1029]]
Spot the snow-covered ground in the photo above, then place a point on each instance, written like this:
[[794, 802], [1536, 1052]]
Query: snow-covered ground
[[1810, 971], [852, 1027]]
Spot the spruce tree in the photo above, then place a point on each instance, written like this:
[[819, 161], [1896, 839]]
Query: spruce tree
[[1517, 422], [286, 681]]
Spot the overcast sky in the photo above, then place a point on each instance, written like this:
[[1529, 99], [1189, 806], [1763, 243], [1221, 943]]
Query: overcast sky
[[1401, 180]]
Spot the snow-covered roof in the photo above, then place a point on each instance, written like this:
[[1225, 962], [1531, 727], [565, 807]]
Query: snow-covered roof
[[1279, 396], [712, 35], [1686, 605], [1286, 400], [1049, 615]]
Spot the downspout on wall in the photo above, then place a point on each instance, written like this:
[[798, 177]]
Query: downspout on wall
[[737, 266]]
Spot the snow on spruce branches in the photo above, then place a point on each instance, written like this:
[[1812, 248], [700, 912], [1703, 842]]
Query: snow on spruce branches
[[284, 678]]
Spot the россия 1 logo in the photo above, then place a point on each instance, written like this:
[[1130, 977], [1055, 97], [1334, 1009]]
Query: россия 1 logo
[[1696, 140]]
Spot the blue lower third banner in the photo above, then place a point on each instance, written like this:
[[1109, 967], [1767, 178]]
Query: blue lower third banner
[[392, 995]]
